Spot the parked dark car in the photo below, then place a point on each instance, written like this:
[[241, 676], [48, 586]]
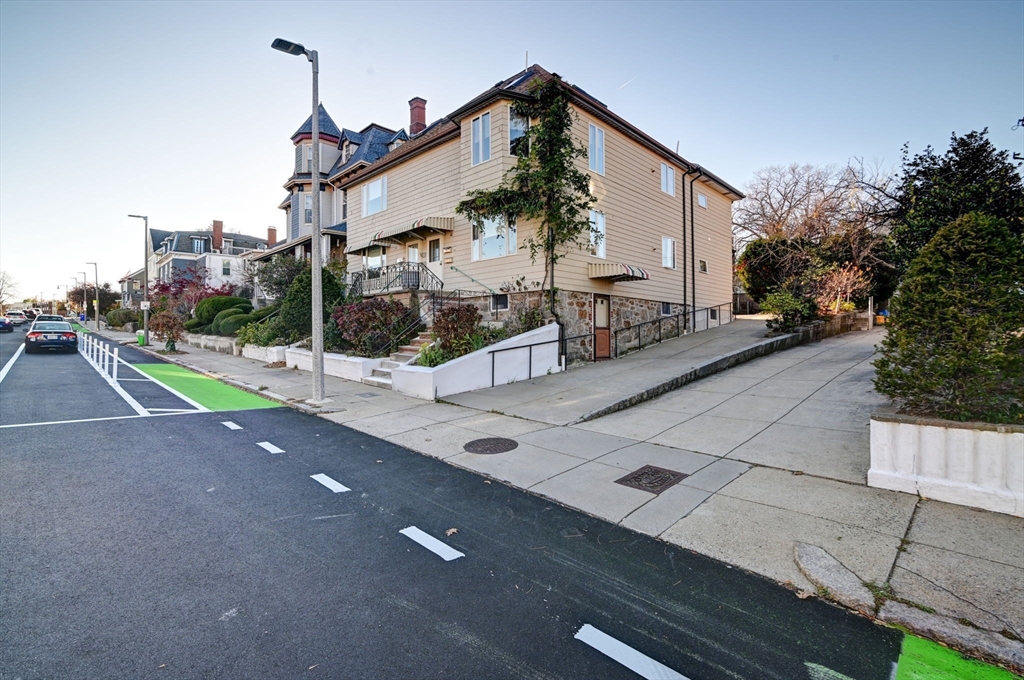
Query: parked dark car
[[45, 335], [5, 325]]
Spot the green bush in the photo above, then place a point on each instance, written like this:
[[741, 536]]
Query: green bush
[[193, 324], [221, 316], [297, 307], [231, 324], [458, 332], [955, 342], [260, 314], [208, 309], [120, 317], [265, 333], [789, 311]]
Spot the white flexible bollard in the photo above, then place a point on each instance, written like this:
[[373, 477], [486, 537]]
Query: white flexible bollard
[[114, 371], [104, 351]]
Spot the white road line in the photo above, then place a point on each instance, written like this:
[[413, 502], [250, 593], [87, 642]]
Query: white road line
[[231, 426], [96, 420], [173, 391], [435, 546], [334, 486], [641, 664], [171, 410], [10, 362], [269, 447]]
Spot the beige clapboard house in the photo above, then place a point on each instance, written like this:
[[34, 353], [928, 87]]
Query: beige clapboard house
[[652, 262]]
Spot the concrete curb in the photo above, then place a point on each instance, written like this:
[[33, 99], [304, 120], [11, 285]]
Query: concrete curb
[[838, 582], [844, 587], [711, 367], [978, 643]]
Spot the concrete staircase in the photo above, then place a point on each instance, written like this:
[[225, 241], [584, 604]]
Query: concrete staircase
[[381, 377]]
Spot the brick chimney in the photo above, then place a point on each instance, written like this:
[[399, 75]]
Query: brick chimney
[[417, 115], [218, 234], [271, 236]]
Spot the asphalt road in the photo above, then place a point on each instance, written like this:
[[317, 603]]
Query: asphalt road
[[175, 546]]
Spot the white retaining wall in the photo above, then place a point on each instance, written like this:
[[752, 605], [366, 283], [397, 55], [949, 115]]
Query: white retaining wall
[[268, 355], [974, 464], [217, 343], [337, 365], [473, 371]]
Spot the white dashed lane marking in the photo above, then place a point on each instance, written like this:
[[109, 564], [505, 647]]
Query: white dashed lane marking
[[231, 426], [269, 447], [641, 664], [334, 486], [435, 546]]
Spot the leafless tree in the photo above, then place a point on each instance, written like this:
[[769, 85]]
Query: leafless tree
[[8, 289], [797, 201]]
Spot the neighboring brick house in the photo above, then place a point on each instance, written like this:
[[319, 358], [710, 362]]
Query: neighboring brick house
[[220, 255], [654, 260]]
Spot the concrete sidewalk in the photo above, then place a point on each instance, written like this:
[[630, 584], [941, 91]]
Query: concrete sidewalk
[[775, 451]]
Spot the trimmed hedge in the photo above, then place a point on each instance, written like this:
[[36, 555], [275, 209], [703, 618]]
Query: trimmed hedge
[[231, 324], [221, 316], [121, 317], [208, 308]]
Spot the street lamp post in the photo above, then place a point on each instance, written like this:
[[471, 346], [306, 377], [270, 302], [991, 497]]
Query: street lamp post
[[96, 300], [85, 296], [296, 49], [145, 278]]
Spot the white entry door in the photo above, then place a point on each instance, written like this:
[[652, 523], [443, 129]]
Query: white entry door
[[434, 257], [414, 253]]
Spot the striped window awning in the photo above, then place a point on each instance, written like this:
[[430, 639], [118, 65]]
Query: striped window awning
[[613, 271], [390, 236]]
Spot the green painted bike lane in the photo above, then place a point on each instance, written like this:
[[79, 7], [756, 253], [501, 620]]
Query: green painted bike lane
[[204, 390], [922, 659]]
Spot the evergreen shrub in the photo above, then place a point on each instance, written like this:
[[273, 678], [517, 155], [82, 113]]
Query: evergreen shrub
[[955, 342]]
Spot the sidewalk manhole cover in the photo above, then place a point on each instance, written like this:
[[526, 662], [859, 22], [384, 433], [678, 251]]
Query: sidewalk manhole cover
[[652, 479], [491, 445]]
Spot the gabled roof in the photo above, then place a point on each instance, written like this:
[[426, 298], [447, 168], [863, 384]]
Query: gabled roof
[[373, 143], [327, 126], [518, 87]]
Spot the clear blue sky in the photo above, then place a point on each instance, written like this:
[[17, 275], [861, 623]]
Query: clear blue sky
[[181, 111]]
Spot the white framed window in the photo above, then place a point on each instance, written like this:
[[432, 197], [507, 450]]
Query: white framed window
[[668, 179], [344, 204], [668, 252], [518, 125], [309, 158], [307, 209], [225, 268], [481, 138], [374, 258], [666, 309], [198, 245], [375, 196], [434, 250], [493, 238], [597, 233], [596, 150], [499, 302], [702, 266], [702, 201]]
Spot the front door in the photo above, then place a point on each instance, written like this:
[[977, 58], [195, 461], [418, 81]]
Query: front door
[[434, 262], [602, 327]]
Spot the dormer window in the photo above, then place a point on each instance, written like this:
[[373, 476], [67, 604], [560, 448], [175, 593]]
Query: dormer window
[[394, 145], [198, 245]]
